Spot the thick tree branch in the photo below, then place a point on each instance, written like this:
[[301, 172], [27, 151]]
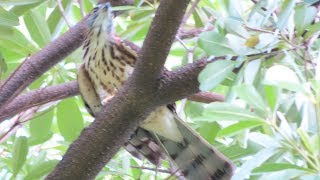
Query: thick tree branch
[[185, 77], [157, 45], [38, 97], [113, 126], [61, 91], [39, 63]]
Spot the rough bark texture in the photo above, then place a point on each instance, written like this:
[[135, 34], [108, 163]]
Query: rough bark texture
[[38, 97], [39, 63], [98, 143]]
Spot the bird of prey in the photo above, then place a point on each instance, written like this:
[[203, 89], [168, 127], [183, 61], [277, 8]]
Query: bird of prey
[[108, 62]]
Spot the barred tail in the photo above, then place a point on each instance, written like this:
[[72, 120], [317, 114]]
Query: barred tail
[[142, 145], [195, 158]]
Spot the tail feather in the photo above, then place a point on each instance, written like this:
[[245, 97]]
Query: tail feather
[[142, 144], [195, 158]]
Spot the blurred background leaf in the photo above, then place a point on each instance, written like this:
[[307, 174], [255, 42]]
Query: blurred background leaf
[[269, 124]]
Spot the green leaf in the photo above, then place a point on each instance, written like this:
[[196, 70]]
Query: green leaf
[[19, 154], [303, 17], [255, 161], [238, 127], [70, 121], [55, 16], [312, 29], [272, 96], [40, 126], [250, 95], [214, 43], [235, 27], [17, 2], [8, 18], [87, 6], [270, 167], [6, 31], [193, 109], [214, 73], [234, 8], [37, 27], [236, 152], [21, 9], [197, 19], [285, 14], [209, 130], [283, 77], [17, 43], [3, 65], [225, 111], [305, 139], [40, 169], [251, 71]]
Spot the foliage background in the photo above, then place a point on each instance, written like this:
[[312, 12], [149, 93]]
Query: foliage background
[[270, 120]]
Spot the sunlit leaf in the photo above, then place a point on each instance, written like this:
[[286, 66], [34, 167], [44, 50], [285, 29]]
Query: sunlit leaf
[[283, 77], [225, 111], [255, 161], [193, 109], [55, 16], [238, 127], [312, 29], [17, 43], [214, 73], [40, 169], [19, 154], [285, 13], [250, 95], [37, 27], [40, 126], [8, 18], [251, 71], [272, 96], [214, 43], [21, 9], [305, 139], [70, 120], [304, 16], [209, 130], [270, 167], [17, 2]]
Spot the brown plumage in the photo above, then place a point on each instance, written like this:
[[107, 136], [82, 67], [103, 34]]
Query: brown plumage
[[108, 62]]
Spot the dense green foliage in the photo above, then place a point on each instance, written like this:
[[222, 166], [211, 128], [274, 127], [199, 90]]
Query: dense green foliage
[[269, 124]]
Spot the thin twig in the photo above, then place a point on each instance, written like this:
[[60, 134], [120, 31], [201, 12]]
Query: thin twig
[[81, 8], [152, 169], [63, 13], [189, 12]]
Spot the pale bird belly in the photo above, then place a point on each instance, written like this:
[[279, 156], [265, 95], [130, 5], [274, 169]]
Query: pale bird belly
[[162, 122]]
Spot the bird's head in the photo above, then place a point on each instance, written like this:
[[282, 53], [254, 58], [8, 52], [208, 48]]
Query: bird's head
[[101, 18]]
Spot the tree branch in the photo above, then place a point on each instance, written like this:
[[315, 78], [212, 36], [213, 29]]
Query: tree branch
[[206, 97], [38, 97], [39, 63], [61, 91], [157, 45], [113, 126], [186, 77]]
